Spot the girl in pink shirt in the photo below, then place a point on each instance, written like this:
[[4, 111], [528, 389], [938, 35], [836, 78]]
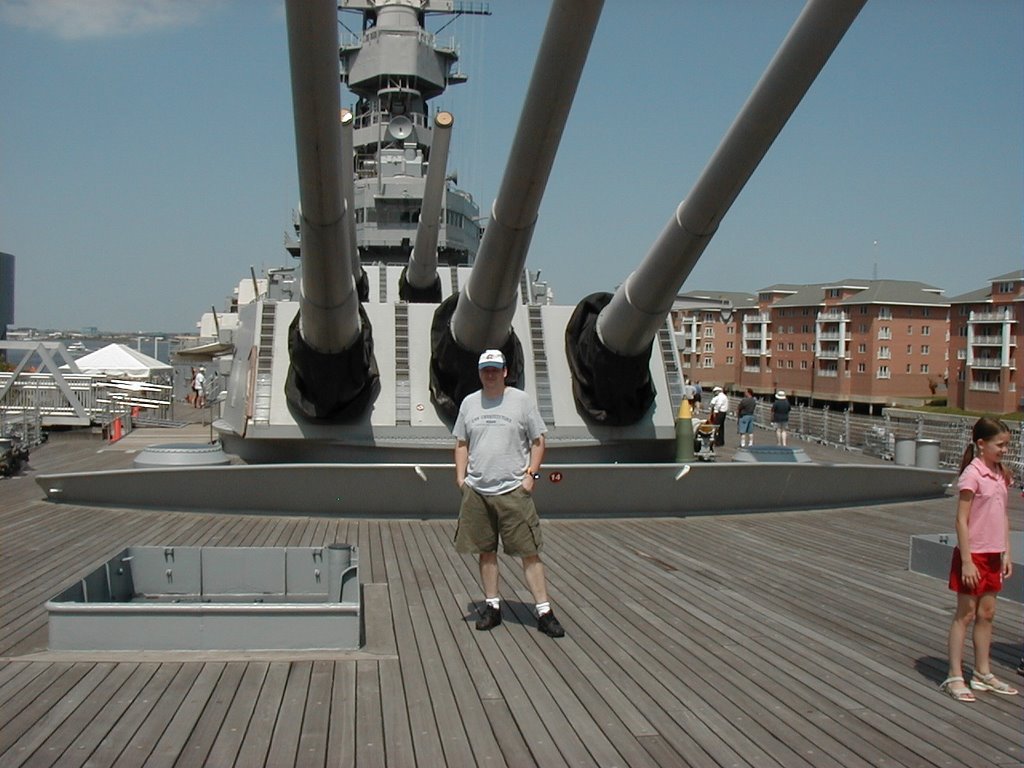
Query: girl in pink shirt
[[982, 558]]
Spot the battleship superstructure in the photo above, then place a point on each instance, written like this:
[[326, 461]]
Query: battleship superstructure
[[401, 290], [343, 384]]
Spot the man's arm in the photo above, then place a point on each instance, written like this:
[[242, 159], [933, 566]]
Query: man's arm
[[536, 460], [461, 461]]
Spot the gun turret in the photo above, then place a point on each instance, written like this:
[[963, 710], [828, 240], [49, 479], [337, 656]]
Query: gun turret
[[332, 372], [609, 338], [419, 281], [348, 177], [480, 316]]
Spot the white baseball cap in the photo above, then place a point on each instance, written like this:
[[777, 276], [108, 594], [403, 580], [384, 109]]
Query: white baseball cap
[[491, 358]]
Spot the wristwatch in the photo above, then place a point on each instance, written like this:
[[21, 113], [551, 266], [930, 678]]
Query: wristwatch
[[534, 475]]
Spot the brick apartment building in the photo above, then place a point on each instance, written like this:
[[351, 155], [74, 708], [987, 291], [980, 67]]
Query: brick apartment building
[[986, 332], [865, 342]]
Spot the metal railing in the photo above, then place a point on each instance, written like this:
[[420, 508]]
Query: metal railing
[[877, 435], [96, 399]]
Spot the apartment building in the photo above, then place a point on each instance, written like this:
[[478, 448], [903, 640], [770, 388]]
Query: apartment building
[[707, 326], [986, 332], [865, 342]]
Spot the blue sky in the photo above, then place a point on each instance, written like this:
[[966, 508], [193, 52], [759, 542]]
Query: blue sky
[[147, 154]]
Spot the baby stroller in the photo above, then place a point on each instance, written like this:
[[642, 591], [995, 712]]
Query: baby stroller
[[704, 441]]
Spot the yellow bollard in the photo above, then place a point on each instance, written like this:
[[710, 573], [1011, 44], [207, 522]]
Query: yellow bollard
[[684, 433]]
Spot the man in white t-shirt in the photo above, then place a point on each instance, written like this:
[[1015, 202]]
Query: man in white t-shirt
[[719, 410], [199, 385], [498, 452]]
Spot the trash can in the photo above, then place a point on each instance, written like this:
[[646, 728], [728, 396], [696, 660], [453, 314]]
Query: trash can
[[905, 454], [926, 455]]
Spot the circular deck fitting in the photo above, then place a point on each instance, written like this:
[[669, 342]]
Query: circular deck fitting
[[182, 455]]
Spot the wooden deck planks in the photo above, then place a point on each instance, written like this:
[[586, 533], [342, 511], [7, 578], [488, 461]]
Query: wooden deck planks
[[782, 639]]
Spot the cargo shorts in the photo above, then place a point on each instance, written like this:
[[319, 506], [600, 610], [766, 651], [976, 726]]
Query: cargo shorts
[[511, 516]]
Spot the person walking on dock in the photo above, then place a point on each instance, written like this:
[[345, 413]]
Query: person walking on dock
[[780, 416], [499, 448], [719, 410], [981, 559], [745, 418]]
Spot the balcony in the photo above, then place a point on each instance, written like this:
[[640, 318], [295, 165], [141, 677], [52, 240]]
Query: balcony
[[834, 336], [833, 317], [828, 373], [984, 386], [756, 336], [751, 368], [757, 319], [988, 362], [992, 341], [833, 354], [992, 317]]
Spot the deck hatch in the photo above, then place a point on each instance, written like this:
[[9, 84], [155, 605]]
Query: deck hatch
[[213, 598]]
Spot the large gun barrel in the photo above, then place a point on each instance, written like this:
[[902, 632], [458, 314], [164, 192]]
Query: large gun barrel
[[486, 305], [481, 317], [348, 194], [330, 336], [420, 281], [627, 324], [640, 305]]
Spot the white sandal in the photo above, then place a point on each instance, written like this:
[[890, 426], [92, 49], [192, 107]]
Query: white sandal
[[960, 694], [991, 683]]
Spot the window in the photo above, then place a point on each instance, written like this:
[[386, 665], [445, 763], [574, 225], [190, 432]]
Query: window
[[884, 353], [789, 363], [908, 367], [805, 328], [709, 346], [883, 372], [804, 347], [709, 363], [709, 332], [925, 349], [834, 293], [781, 346], [729, 344], [926, 311], [924, 368], [885, 313], [884, 332], [926, 330], [861, 368], [803, 365], [791, 346], [910, 349], [862, 348], [863, 309]]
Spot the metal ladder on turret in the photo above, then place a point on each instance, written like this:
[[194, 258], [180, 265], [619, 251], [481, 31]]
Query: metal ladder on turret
[[403, 391], [670, 359], [262, 392], [540, 366]]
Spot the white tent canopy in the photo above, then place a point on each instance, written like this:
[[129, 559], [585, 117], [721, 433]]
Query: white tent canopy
[[121, 360]]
